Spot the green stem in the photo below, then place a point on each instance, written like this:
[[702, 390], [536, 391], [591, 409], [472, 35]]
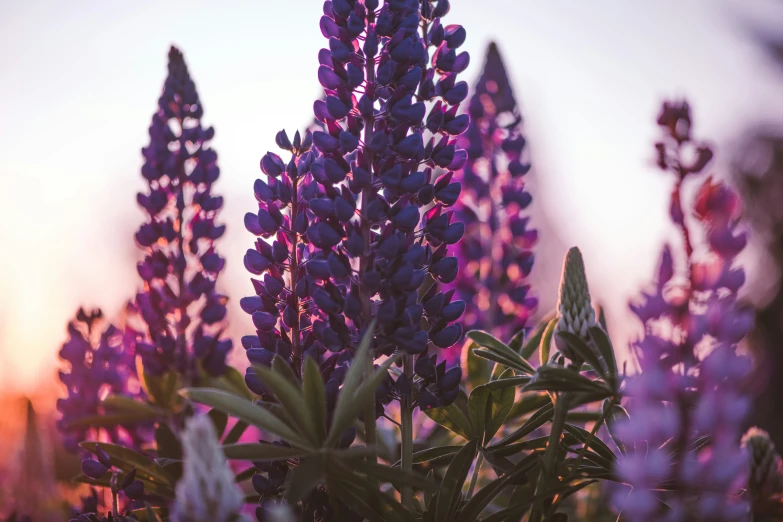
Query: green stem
[[474, 478], [406, 426], [549, 465]]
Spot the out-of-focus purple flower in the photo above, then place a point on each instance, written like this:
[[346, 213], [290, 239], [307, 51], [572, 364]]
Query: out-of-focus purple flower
[[691, 383], [182, 311], [97, 364], [496, 253]]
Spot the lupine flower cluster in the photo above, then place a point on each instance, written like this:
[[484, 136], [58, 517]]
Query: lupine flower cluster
[[692, 376], [355, 200], [181, 308], [98, 364], [765, 481], [496, 254]]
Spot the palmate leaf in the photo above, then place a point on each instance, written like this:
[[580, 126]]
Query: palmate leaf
[[446, 500], [246, 411], [596, 443], [559, 379], [219, 421], [604, 345], [580, 347], [314, 393], [393, 475], [615, 415], [305, 477], [546, 340], [361, 496], [291, 399], [231, 381], [430, 454], [236, 432], [451, 418], [154, 488], [538, 419]]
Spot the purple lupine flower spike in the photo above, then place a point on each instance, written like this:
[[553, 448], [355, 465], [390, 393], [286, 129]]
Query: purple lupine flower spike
[[180, 306], [99, 364], [691, 383], [496, 253], [380, 220]]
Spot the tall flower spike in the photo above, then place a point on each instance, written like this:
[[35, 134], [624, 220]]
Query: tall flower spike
[[691, 382], [98, 364], [180, 306], [207, 491], [496, 253], [380, 219], [575, 312]]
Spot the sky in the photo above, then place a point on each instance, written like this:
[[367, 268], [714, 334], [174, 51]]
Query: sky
[[80, 80]]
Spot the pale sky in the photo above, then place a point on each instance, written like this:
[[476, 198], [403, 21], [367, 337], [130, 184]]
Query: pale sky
[[80, 80]]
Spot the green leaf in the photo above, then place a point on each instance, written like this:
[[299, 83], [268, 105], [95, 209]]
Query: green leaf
[[315, 396], [501, 402], [546, 341], [538, 419], [434, 453], [538, 443], [486, 353], [233, 381], [596, 445], [615, 415], [126, 459], [428, 496], [350, 404], [451, 418], [306, 476], [517, 511], [470, 512], [290, 397], [248, 412], [396, 476], [120, 403], [366, 500], [604, 345], [246, 474], [261, 451], [155, 488], [506, 382], [342, 418], [478, 369], [486, 340], [478, 405], [167, 442], [162, 389], [580, 347], [219, 421], [236, 432], [517, 341], [110, 419], [559, 379], [528, 403], [451, 486]]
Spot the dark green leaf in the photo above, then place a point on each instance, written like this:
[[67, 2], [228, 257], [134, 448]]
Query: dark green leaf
[[486, 353], [306, 476], [245, 475], [529, 402], [396, 476], [350, 405], [259, 451], [290, 397], [506, 382], [236, 432], [615, 415], [604, 345], [479, 369], [431, 454], [508, 450], [546, 341], [538, 419], [219, 421], [470, 512], [453, 480], [486, 340], [580, 347], [111, 419], [451, 418], [597, 444], [517, 511], [315, 396], [559, 379], [501, 402], [167, 442], [364, 498], [247, 411]]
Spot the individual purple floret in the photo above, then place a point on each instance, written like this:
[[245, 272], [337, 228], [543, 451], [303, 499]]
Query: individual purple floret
[[381, 221], [496, 253], [98, 365], [691, 384], [182, 311]]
